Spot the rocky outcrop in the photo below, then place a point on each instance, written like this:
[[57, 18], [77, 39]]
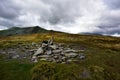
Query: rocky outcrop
[[48, 51]]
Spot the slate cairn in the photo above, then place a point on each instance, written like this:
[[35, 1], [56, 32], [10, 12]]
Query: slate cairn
[[56, 53]]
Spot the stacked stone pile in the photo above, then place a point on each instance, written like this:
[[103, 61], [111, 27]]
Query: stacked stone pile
[[56, 53]]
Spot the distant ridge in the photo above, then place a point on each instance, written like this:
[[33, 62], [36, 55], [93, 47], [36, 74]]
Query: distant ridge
[[87, 33], [21, 31]]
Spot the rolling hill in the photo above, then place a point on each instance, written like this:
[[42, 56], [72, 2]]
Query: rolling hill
[[20, 31], [102, 53]]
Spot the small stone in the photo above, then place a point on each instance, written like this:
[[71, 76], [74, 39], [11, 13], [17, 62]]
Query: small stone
[[63, 58], [39, 51], [69, 60], [15, 56], [71, 55], [34, 57], [69, 50], [32, 50], [43, 56], [82, 50], [33, 43], [56, 57], [44, 45], [63, 62], [50, 59], [35, 60], [43, 59], [3, 52], [49, 52], [82, 57], [27, 47], [56, 51], [53, 47]]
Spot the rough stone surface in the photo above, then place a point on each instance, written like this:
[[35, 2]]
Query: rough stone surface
[[39, 51], [47, 51], [56, 53]]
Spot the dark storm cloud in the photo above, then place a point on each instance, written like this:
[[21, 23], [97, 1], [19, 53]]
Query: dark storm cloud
[[8, 9], [50, 11], [8, 13], [5, 23], [113, 4], [109, 30], [61, 11], [110, 20]]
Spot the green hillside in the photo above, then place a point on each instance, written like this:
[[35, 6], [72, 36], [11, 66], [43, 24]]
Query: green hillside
[[20, 31], [102, 60]]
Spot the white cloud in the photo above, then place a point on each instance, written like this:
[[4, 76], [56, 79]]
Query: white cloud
[[116, 35], [71, 16]]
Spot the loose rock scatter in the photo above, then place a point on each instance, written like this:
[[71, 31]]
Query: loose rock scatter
[[48, 51], [45, 51]]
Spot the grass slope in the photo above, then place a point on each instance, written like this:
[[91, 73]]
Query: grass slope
[[12, 70], [86, 40], [102, 57]]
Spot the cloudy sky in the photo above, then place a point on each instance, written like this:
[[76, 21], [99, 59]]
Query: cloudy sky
[[73, 16]]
